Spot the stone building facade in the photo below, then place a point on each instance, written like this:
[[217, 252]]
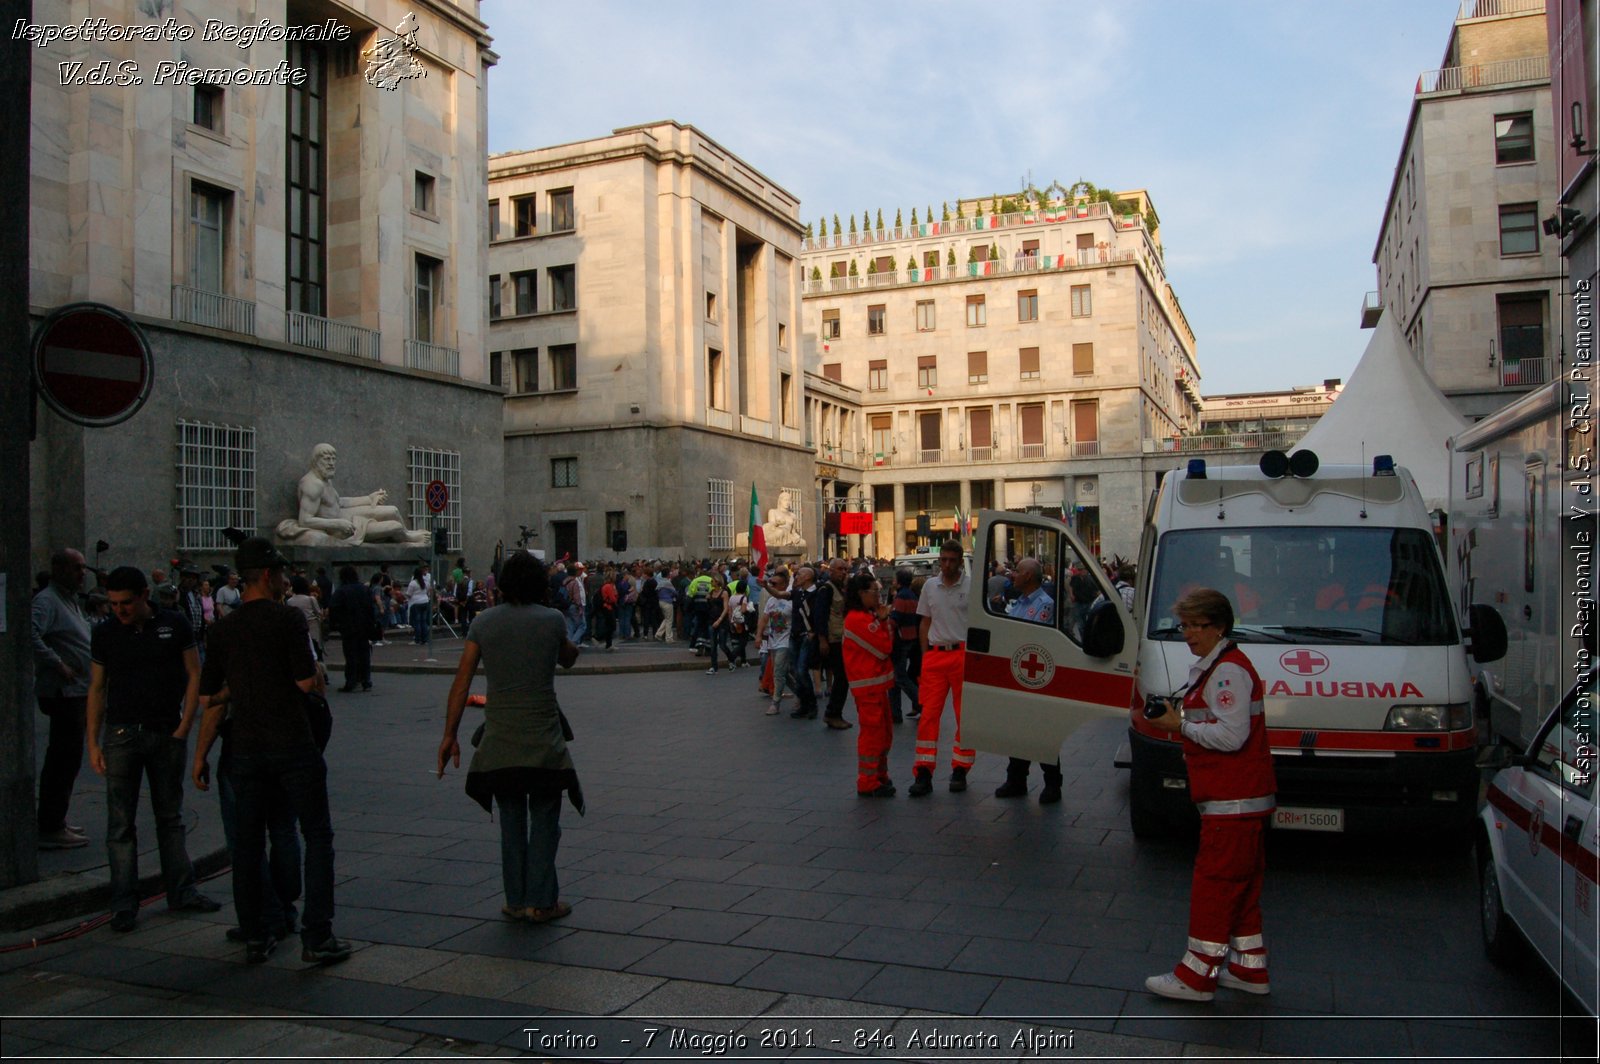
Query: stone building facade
[[1463, 261], [1011, 359], [292, 251], [644, 303]]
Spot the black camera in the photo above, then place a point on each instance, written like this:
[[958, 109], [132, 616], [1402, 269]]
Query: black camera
[[1157, 706]]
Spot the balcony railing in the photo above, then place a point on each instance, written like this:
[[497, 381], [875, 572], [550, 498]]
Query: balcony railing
[[213, 310], [927, 456], [1030, 450], [1371, 310], [1086, 449], [1226, 441], [1524, 372], [1491, 8], [324, 334], [1484, 75], [981, 223], [990, 268], [435, 358], [980, 454]]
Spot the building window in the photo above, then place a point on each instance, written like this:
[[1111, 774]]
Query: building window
[[930, 260], [1522, 338], [497, 371], [834, 371], [783, 337], [425, 325], [562, 217], [525, 284], [563, 367], [422, 192], [1082, 359], [208, 216], [882, 437], [1031, 420], [1519, 229], [929, 436], [616, 527], [494, 296], [1085, 427], [307, 166], [1028, 304], [208, 107], [423, 467], [830, 325], [925, 317], [719, 514], [927, 371], [216, 483], [876, 319], [711, 306], [563, 287], [494, 219], [878, 375], [525, 366], [523, 215], [564, 472], [1082, 303], [716, 390], [786, 397], [1028, 363], [977, 367], [980, 433], [1513, 138], [977, 313]]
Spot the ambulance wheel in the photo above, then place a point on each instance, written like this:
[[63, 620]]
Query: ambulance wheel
[[1500, 939]]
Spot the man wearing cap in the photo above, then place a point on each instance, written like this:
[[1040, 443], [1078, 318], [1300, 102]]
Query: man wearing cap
[[189, 603], [144, 685], [61, 684], [259, 662]]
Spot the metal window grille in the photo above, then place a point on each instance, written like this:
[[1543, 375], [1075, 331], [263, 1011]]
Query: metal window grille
[[423, 467], [216, 483], [719, 514], [797, 504]]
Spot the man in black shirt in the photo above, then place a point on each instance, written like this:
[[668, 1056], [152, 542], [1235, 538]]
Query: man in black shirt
[[259, 662], [351, 614], [144, 683]]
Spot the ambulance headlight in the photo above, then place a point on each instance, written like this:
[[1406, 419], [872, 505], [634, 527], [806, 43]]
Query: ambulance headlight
[[1452, 716]]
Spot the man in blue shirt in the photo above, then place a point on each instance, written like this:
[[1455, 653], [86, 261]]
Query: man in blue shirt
[[1031, 604]]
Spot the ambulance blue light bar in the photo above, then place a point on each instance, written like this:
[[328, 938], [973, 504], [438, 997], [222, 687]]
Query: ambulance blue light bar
[[1197, 469], [1383, 465]]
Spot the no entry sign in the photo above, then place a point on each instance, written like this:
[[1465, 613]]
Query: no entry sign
[[437, 496], [92, 364]]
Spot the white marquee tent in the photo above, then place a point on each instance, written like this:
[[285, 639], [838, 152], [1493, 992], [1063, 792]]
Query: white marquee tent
[[1389, 406]]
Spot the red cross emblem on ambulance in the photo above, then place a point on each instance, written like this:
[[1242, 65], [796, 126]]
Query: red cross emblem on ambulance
[[1032, 666], [1303, 662]]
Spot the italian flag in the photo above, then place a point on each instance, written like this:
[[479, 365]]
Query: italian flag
[[758, 538]]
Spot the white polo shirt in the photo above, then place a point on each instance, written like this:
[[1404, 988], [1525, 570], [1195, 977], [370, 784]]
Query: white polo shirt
[[946, 606]]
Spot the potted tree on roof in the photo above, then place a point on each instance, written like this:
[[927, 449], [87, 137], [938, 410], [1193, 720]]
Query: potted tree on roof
[[898, 226], [836, 234], [852, 229]]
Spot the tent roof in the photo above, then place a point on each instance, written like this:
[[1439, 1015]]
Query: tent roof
[[1389, 406]]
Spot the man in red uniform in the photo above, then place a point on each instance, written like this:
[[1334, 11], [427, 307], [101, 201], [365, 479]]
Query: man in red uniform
[[868, 643], [943, 609], [1230, 778]]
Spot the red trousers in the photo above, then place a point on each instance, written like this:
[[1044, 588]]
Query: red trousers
[[1225, 903], [874, 738], [941, 675]]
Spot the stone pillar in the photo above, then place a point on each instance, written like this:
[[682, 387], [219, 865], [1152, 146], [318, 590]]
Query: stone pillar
[[898, 546]]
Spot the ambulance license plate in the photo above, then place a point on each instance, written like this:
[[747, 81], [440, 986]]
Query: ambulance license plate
[[1299, 818]]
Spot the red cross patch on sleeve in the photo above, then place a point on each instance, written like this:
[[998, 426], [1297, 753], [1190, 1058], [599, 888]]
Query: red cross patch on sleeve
[[1225, 699]]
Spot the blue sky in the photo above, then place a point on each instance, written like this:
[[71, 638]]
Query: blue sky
[[1266, 132]]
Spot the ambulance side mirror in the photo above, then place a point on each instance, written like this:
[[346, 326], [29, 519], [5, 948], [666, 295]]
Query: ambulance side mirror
[[1487, 633], [1102, 631]]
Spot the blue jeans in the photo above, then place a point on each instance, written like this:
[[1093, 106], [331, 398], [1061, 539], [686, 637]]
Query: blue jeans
[[575, 625], [420, 615], [302, 777], [281, 867], [905, 656], [530, 829], [800, 673], [625, 620], [134, 753]]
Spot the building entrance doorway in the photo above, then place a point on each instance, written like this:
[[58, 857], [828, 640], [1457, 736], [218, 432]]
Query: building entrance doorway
[[564, 540]]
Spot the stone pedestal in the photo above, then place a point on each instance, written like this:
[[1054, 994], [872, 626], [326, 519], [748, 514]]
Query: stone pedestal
[[790, 557], [364, 557]]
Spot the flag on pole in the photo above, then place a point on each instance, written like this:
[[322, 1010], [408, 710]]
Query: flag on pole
[[961, 523], [758, 538]]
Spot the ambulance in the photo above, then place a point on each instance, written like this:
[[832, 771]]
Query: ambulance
[[1342, 605]]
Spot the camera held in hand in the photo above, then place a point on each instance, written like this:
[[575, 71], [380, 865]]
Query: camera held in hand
[[1157, 706]]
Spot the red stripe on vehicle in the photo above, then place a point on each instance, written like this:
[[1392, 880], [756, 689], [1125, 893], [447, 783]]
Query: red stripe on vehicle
[[1551, 837], [1080, 685], [1334, 741]]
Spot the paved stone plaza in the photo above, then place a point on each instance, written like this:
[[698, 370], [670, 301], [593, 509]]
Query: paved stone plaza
[[727, 882]]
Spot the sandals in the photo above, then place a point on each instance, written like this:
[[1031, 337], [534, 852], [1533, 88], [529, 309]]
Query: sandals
[[534, 915]]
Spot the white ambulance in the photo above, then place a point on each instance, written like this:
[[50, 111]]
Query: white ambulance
[[1341, 603]]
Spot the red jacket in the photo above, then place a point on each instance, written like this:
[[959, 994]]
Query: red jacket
[[1231, 783], [867, 645]]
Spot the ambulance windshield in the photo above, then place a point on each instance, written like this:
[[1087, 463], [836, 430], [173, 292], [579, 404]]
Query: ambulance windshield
[[1380, 586]]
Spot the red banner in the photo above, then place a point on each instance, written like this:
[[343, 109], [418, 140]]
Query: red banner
[[855, 523]]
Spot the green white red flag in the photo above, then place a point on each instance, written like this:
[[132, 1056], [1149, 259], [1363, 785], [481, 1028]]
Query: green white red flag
[[758, 539]]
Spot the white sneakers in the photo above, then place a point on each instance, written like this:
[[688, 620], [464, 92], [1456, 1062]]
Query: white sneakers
[[1170, 986]]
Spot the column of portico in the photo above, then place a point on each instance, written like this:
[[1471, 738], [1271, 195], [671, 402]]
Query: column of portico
[[897, 545]]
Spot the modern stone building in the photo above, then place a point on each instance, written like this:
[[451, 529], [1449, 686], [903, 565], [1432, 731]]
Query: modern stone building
[[1259, 420], [1018, 354], [1463, 261], [291, 249], [644, 304], [1574, 30]]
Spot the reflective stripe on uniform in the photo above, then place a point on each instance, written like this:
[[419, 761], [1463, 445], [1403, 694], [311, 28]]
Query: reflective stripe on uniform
[[1209, 949], [864, 645], [1239, 806], [1243, 942], [1203, 968], [872, 681], [1247, 960]]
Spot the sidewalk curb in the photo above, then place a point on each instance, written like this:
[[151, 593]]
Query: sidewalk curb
[[77, 895]]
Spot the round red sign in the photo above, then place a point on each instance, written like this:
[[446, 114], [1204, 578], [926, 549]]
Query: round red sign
[[92, 364], [437, 495]]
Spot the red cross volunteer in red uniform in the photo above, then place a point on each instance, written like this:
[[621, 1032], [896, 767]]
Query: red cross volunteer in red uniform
[[943, 609], [868, 643], [1225, 750]]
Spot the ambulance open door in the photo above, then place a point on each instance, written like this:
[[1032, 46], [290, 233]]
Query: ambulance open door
[[1029, 683]]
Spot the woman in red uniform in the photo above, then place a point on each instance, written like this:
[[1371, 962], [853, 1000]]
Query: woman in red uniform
[[1230, 779], [868, 645]]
